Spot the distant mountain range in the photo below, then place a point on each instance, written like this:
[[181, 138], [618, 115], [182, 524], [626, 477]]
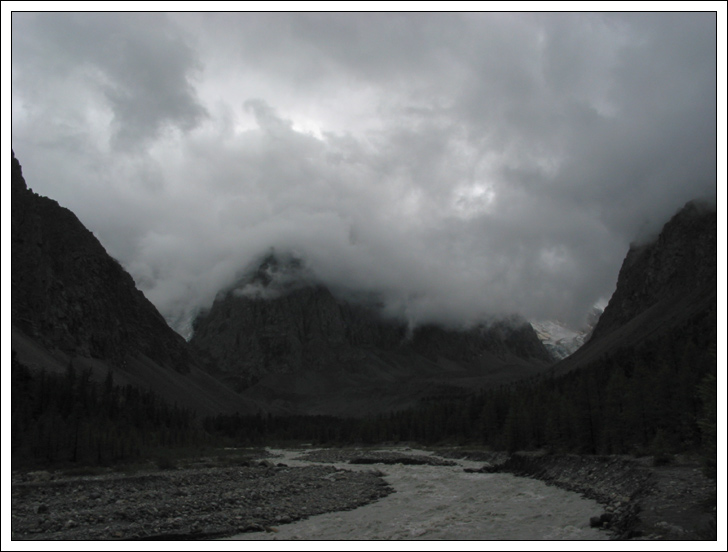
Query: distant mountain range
[[279, 341]]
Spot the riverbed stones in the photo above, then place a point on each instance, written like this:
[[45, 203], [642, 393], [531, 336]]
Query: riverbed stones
[[194, 503]]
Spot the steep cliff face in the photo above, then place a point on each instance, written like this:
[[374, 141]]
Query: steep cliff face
[[304, 329], [681, 262], [69, 294], [72, 302], [665, 288], [278, 325]]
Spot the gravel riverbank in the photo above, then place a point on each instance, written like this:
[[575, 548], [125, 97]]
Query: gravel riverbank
[[203, 501], [197, 503]]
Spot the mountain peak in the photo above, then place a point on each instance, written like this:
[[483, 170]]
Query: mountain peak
[[273, 275], [17, 181]]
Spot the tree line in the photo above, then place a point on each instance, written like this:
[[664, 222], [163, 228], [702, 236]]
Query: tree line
[[57, 418], [657, 398]]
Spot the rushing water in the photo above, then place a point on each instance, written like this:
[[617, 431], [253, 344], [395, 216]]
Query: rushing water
[[447, 503]]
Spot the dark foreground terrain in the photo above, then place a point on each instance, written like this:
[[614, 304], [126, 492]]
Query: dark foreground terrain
[[205, 500]]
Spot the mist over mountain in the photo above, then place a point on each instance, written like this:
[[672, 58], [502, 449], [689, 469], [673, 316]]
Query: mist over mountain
[[458, 165], [282, 337], [646, 382]]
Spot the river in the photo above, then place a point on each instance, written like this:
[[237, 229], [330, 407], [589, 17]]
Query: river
[[447, 503]]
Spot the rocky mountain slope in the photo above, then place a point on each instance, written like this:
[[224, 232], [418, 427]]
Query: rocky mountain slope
[[668, 286], [280, 337], [72, 302], [682, 261]]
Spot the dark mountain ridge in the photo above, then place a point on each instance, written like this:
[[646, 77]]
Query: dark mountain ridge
[[72, 302], [67, 292], [666, 286], [683, 260]]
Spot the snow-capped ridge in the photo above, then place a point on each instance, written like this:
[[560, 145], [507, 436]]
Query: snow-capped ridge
[[560, 339]]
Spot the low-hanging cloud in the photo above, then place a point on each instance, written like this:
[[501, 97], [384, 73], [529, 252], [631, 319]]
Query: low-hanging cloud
[[459, 166]]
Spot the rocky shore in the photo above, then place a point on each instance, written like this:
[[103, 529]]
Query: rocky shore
[[671, 501], [616, 482]]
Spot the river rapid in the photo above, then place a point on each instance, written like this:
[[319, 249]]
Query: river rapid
[[447, 503]]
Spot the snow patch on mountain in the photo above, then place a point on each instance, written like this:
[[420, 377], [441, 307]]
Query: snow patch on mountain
[[562, 340]]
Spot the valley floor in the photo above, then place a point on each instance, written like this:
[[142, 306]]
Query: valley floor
[[397, 493]]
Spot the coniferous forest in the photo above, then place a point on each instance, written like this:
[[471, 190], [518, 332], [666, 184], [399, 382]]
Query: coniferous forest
[[61, 418], [657, 399]]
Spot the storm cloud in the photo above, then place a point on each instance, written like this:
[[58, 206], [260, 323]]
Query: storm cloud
[[460, 165]]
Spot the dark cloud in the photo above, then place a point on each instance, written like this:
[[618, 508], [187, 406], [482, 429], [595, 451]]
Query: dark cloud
[[138, 63], [460, 165]]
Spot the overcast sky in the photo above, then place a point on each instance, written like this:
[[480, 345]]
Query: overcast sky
[[460, 164]]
